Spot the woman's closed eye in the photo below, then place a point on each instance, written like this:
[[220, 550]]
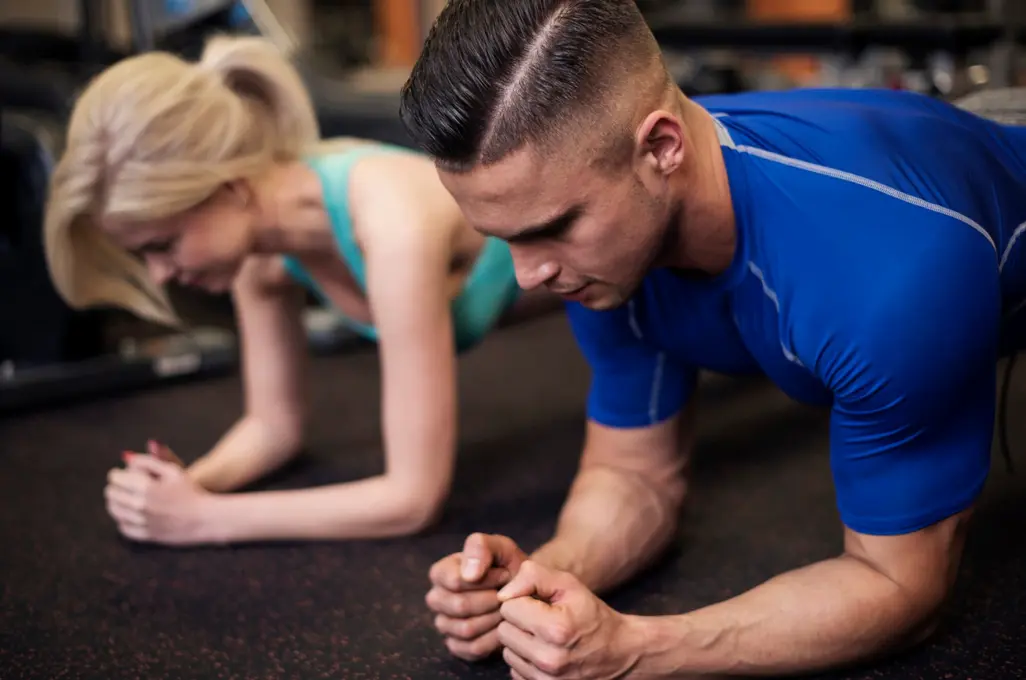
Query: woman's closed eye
[[160, 247]]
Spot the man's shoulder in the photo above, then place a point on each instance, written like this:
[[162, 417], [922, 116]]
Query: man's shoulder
[[809, 162], [835, 123], [853, 101]]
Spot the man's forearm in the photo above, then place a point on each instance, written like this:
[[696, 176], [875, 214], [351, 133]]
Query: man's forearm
[[822, 616], [250, 450], [613, 524]]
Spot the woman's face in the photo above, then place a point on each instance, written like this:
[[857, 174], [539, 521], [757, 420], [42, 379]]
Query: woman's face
[[203, 247]]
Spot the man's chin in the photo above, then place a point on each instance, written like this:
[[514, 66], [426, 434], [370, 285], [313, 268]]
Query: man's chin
[[604, 302]]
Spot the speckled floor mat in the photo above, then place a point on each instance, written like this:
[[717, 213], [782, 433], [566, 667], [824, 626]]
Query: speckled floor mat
[[77, 602]]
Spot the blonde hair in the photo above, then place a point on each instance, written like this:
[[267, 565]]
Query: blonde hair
[[153, 136]]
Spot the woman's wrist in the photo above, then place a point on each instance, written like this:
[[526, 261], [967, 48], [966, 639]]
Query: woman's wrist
[[213, 523]]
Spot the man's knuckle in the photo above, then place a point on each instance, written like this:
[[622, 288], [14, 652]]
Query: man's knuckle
[[435, 598], [559, 633], [461, 649], [464, 629], [554, 661], [481, 647], [438, 569], [459, 607]]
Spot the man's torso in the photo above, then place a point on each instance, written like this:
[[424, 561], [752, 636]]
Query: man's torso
[[848, 203]]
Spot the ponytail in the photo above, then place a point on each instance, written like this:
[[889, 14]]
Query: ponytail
[[257, 71]]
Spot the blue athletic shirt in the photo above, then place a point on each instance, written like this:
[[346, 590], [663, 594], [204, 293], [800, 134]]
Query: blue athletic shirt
[[877, 272]]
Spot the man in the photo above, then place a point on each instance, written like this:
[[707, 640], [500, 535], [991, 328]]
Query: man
[[858, 247]]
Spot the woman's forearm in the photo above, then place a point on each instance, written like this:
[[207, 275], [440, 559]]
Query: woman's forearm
[[251, 449], [377, 507]]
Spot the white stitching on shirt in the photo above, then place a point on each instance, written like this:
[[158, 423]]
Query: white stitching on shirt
[[869, 184], [657, 384], [633, 321], [772, 295], [1011, 242]]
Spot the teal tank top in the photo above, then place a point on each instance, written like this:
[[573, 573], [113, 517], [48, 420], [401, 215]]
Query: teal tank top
[[488, 292]]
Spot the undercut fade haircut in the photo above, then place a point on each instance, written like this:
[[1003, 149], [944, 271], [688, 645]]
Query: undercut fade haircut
[[494, 77]]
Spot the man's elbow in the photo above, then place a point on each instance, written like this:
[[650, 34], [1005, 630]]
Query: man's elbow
[[928, 610], [920, 607]]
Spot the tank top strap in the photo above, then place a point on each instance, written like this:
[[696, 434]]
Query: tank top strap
[[334, 170]]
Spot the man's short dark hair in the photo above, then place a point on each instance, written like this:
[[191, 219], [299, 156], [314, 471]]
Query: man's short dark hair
[[496, 75]]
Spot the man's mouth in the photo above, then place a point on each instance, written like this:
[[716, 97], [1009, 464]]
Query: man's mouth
[[572, 293]]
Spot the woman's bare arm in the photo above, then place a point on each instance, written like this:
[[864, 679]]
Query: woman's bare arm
[[268, 310], [407, 248]]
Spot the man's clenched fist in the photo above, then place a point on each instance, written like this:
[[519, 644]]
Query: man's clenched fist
[[464, 593]]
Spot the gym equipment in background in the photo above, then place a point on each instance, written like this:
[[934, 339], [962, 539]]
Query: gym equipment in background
[[936, 50], [344, 108], [80, 52], [36, 327], [51, 354]]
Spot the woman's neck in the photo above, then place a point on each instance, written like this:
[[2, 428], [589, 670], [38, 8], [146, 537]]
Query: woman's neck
[[291, 212]]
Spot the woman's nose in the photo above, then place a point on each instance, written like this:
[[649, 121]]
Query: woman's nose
[[161, 269]]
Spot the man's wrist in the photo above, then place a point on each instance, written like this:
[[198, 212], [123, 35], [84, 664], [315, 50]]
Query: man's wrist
[[662, 647], [557, 555]]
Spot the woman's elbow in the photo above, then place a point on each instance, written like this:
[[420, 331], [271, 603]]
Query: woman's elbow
[[421, 508], [286, 434]]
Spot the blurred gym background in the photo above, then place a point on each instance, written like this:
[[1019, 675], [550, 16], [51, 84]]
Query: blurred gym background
[[355, 55]]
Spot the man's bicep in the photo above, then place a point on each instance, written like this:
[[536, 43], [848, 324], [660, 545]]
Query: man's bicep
[[912, 445], [912, 364], [892, 478], [633, 384], [660, 451]]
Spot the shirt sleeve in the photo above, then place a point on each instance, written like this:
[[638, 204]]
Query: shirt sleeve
[[914, 390], [634, 383]]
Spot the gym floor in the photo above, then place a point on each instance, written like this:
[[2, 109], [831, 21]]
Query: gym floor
[[79, 602]]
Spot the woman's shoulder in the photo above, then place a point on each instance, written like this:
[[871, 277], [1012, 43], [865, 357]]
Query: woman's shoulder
[[401, 197]]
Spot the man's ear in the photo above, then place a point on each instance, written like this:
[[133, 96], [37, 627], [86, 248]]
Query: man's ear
[[661, 142]]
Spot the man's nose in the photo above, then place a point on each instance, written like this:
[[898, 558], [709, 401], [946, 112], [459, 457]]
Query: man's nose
[[532, 272]]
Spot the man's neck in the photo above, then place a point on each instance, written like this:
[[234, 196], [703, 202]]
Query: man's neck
[[706, 231]]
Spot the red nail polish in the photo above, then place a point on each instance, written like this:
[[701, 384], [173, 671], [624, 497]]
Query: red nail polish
[[127, 456]]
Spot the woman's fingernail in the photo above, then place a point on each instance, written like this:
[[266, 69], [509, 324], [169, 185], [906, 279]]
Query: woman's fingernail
[[127, 456]]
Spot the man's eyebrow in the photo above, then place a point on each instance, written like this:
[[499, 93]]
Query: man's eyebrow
[[550, 227]]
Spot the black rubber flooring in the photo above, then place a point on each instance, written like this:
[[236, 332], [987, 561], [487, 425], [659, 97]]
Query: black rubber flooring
[[78, 602]]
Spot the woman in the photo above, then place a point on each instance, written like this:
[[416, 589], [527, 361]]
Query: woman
[[212, 174]]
